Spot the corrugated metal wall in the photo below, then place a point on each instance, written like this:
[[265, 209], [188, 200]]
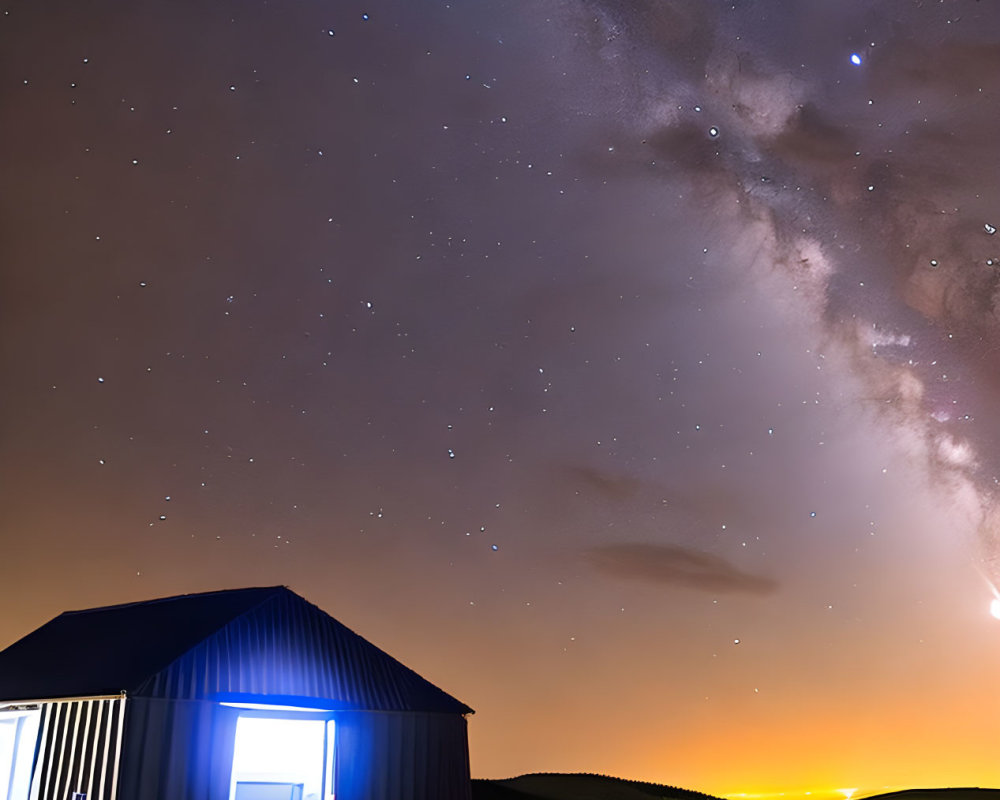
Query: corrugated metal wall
[[288, 647], [400, 756], [183, 750], [177, 750], [79, 749]]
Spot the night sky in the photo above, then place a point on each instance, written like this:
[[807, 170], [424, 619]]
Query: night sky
[[628, 369]]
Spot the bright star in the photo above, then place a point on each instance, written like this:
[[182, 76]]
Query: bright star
[[856, 59]]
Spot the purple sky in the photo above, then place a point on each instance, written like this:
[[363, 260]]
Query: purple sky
[[621, 367]]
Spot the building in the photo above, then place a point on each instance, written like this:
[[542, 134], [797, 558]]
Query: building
[[249, 694]]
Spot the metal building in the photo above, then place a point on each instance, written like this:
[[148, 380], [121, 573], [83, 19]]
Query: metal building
[[249, 694]]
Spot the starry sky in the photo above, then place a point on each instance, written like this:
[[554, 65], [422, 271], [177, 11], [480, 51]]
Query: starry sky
[[628, 369]]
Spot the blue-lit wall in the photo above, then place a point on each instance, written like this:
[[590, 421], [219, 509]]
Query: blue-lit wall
[[183, 750]]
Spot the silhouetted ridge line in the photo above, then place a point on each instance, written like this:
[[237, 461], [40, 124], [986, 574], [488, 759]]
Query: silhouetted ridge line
[[569, 786], [654, 789], [949, 793]]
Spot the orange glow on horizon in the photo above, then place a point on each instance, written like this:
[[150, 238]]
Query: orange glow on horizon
[[825, 794]]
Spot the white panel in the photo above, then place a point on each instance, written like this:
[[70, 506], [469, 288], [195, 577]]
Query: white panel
[[18, 736]]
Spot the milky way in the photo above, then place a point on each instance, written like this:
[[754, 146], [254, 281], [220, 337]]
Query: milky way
[[871, 186]]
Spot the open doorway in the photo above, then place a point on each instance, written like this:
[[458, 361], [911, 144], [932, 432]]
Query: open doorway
[[18, 735], [282, 758]]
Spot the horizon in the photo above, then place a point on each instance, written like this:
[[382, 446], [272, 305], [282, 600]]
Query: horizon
[[627, 369], [856, 793]]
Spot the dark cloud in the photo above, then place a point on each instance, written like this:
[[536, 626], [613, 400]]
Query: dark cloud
[[687, 146], [605, 484], [685, 505], [814, 140], [671, 565]]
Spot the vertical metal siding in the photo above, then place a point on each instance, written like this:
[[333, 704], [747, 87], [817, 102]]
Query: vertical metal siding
[[79, 749], [407, 756], [287, 646], [119, 727], [98, 716]]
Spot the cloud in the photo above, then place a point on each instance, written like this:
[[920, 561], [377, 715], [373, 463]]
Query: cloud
[[612, 487], [813, 140], [672, 565]]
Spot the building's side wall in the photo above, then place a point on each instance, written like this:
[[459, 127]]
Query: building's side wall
[[177, 750], [79, 749], [183, 750], [402, 756]]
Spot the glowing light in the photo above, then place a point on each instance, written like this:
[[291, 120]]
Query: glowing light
[[856, 59], [283, 751], [995, 602], [848, 793], [271, 707]]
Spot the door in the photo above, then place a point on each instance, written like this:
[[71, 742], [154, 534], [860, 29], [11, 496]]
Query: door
[[282, 758]]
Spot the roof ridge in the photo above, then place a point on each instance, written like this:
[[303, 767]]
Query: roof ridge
[[385, 654], [172, 597], [225, 624]]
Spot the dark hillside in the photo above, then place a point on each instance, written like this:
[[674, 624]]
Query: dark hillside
[[965, 793], [557, 786], [494, 790]]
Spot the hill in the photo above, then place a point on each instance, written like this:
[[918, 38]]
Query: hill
[[966, 793], [581, 786]]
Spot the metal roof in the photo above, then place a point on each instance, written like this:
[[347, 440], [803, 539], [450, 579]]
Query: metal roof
[[236, 644]]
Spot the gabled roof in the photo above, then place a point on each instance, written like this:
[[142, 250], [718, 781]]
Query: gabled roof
[[242, 643]]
